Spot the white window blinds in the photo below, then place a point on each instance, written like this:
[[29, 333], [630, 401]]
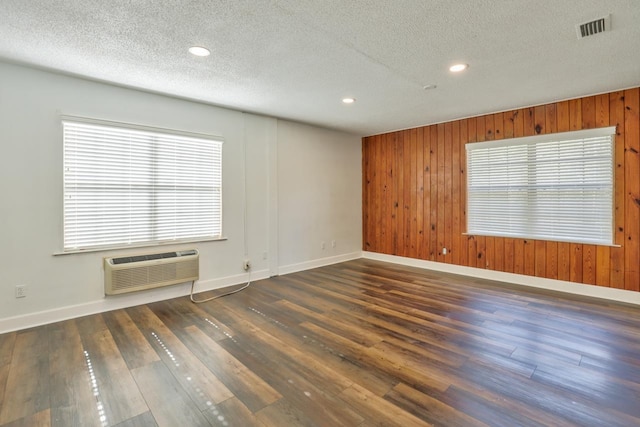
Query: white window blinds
[[128, 186], [557, 187]]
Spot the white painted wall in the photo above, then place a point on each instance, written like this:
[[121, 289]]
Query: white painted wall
[[267, 152], [320, 196]]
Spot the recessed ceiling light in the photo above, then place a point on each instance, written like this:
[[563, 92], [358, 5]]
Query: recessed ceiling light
[[199, 51], [429, 87], [348, 100], [458, 67]]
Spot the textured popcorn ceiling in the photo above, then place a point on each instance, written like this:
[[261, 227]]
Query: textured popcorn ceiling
[[297, 59]]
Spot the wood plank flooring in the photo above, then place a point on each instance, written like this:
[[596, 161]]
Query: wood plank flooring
[[360, 343]]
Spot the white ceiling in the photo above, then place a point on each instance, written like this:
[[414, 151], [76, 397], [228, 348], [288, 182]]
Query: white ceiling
[[296, 59]]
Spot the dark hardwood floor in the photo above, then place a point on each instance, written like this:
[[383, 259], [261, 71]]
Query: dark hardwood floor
[[361, 343]]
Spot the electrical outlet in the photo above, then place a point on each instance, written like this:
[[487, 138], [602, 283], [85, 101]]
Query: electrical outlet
[[444, 251], [21, 291], [246, 265], [333, 243], [322, 245]]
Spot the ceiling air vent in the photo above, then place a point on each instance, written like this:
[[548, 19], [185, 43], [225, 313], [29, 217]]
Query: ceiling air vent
[[594, 27]]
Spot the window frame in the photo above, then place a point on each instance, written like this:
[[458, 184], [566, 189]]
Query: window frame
[[160, 133], [534, 146]]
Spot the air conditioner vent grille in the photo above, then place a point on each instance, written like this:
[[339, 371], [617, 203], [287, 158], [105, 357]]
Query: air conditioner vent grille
[[139, 258], [135, 273], [594, 27]]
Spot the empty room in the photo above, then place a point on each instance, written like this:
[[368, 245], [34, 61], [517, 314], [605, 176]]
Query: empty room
[[284, 213]]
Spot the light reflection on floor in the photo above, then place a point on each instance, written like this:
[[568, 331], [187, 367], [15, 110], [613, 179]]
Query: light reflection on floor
[[213, 409], [270, 319], [96, 391]]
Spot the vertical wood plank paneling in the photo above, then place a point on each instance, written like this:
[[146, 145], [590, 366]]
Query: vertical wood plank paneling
[[551, 118], [539, 120], [472, 244], [414, 193], [575, 114], [576, 263], [398, 229], [472, 250], [632, 180], [441, 208], [377, 196], [382, 238], [551, 260], [464, 248], [374, 196], [481, 241], [412, 230], [540, 268], [433, 236], [406, 193], [392, 185], [398, 181], [388, 156], [455, 194], [426, 209], [616, 118], [413, 209], [589, 264], [419, 177], [448, 197], [392, 182], [365, 188], [588, 112], [529, 125], [391, 155], [382, 197], [564, 261], [367, 157], [369, 211], [529, 257], [509, 254]]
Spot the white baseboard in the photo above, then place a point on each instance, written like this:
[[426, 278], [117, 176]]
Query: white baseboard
[[128, 300], [122, 301], [308, 265], [612, 294], [145, 297]]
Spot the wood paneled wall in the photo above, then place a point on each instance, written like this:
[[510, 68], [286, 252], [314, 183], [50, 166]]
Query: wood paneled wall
[[414, 194]]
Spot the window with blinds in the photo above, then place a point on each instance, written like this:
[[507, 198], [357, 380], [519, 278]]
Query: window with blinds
[[557, 187], [131, 186]]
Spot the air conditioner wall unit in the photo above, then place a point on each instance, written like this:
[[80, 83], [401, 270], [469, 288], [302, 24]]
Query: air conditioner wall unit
[[140, 272]]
